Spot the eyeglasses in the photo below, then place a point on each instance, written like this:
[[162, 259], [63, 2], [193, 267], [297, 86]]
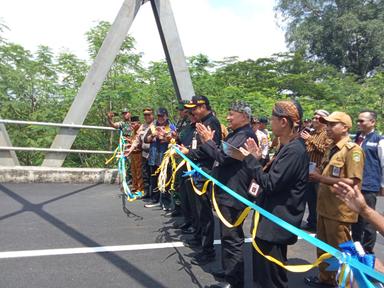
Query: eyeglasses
[[360, 121]]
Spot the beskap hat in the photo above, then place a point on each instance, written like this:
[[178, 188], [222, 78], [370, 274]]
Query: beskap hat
[[197, 101], [162, 112], [125, 110], [135, 119], [338, 116], [147, 110]]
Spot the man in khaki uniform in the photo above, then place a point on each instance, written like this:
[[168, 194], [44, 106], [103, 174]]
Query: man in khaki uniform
[[343, 162], [134, 154]]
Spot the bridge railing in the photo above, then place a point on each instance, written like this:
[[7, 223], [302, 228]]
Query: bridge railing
[[49, 124]]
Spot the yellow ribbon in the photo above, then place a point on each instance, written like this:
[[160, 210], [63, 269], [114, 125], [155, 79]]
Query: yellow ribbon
[[291, 268], [113, 156], [169, 156], [239, 220], [205, 185]]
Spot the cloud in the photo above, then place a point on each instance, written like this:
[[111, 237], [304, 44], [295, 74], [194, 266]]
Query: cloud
[[217, 28]]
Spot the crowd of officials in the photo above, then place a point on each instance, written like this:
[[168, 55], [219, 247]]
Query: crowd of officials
[[308, 161]]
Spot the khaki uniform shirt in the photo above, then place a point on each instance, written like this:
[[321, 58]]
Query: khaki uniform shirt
[[346, 162]]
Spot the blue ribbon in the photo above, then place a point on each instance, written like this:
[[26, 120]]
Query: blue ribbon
[[122, 172], [189, 173], [352, 262], [350, 251]]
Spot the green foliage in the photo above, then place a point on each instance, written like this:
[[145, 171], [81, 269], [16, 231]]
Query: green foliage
[[348, 34], [41, 86]]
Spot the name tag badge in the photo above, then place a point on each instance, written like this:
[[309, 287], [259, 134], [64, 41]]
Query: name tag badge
[[194, 144], [336, 171], [372, 144], [254, 188]]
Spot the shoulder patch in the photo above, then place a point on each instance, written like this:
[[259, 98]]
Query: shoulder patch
[[356, 156]]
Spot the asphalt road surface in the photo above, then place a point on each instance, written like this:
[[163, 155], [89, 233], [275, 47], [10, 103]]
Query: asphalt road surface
[[69, 235]]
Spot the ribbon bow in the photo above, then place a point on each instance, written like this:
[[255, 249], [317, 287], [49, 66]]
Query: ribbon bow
[[351, 250]]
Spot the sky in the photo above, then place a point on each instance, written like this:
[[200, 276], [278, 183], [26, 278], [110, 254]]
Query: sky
[[216, 28]]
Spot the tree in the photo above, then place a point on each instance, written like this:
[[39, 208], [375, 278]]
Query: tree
[[348, 34]]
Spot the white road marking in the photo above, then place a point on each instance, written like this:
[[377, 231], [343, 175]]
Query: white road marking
[[85, 250], [101, 249]]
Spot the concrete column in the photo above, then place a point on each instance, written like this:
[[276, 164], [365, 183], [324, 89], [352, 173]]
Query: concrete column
[[7, 158], [173, 50], [93, 81]]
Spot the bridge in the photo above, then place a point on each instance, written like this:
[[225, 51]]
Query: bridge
[[80, 235], [69, 227]]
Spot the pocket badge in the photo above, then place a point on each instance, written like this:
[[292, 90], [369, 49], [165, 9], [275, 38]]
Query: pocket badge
[[336, 171], [253, 188]]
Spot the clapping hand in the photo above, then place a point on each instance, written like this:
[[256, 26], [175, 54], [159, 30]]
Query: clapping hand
[[251, 148], [205, 133]]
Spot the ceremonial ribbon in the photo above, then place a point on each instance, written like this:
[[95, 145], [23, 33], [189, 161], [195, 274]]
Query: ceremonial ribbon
[[169, 156], [121, 168], [351, 262], [239, 220], [113, 156], [351, 250], [197, 190], [291, 268]]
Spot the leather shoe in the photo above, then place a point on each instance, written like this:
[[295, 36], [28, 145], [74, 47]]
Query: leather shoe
[[183, 225], [314, 281], [202, 259], [221, 285], [189, 230], [193, 243]]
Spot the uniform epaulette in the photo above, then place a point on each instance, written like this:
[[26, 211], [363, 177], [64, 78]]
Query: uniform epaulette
[[350, 145]]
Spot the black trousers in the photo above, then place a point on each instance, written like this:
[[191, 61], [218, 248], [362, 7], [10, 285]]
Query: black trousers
[[187, 202], [206, 222], [232, 242], [154, 193], [311, 199], [146, 173], [266, 273], [363, 231]]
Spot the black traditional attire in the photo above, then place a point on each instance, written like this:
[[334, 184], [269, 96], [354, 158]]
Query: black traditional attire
[[230, 172], [283, 186], [203, 205]]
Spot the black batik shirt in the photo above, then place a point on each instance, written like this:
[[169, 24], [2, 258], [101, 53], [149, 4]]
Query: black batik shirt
[[230, 171], [283, 186]]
